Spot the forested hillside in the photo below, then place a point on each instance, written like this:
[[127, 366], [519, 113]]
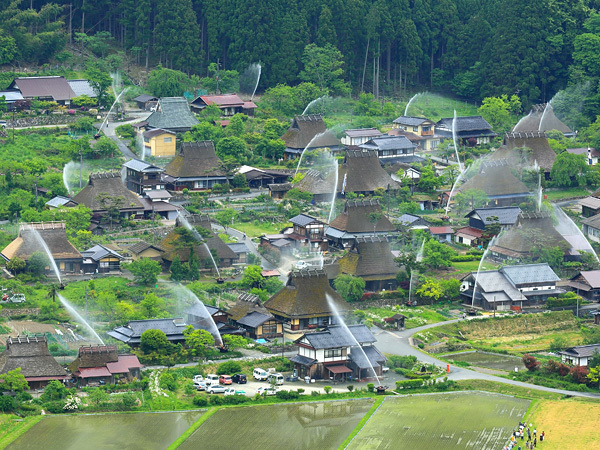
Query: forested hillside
[[472, 48]]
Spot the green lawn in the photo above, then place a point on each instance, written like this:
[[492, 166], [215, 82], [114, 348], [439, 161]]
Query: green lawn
[[255, 230], [566, 193], [472, 266]]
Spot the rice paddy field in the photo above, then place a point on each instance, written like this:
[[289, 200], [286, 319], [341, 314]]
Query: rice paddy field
[[488, 360], [143, 431], [312, 425], [441, 421]]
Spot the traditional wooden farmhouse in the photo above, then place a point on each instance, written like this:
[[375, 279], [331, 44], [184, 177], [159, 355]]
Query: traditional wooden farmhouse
[[526, 149], [360, 135], [197, 316], [471, 130], [146, 102], [362, 173], [468, 236], [31, 239], [306, 302], [11, 96], [106, 191], [413, 222], [580, 355], [339, 354], [308, 132], [587, 284], [159, 143], [132, 332], [141, 176], [103, 365], [183, 242], [308, 232], [48, 88], [31, 354], [241, 250], [542, 118], [423, 128], [506, 217], [592, 155], [172, 113], [82, 87], [590, 206], [196, 167], [229, 104], [143, 249], [259, 178], [371, 259], [250, 314], [60, 202], [101, 259], [322, 188], [358, 220], [510, 287], [443, 233], [391, 149], [591, 228], [500, 185]]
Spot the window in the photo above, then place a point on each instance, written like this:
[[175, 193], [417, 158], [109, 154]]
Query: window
[[269, 328], [416, 129], [168, 140], [335, 353]]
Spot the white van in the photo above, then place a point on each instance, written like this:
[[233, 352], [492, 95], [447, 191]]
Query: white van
[[277, 377], [211, 379], [260, 374]]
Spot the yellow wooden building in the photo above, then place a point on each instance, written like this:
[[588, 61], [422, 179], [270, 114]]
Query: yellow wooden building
[[159, 143]]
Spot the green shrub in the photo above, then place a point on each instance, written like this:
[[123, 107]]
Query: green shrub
[[370, 387], [129, 399], [262, 348], [216, 400], [287, 395], [7, 403], [327, 389], [55, 407], [408, 384], [235, 399], [229, 368], [350, 387], [200, 401], [167, 381], [314, 393]]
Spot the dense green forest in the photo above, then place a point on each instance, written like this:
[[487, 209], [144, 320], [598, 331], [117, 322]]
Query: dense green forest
[[471, 48]]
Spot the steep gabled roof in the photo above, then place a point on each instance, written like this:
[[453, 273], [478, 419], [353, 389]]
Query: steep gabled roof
[[507, 215], [105, 190], [303, 220], [541, 118], [371, 259], [246, 304], [355, 218], [305, 295], [336, 336], [512, 150], [591, 277], [305, 128], [412, 121], [99, 251], [400, 142], [55, 87], [142, 166], [140, 246], [173, 113], [195, 160], [494, 283], [496, 180], [52, 233], [361, 171], [31, 354]]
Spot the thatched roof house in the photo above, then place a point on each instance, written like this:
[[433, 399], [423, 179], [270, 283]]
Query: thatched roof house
[[541, 118], [500, 185], [54, 235], [356, 221], [103, 363], [195, 167], [106, 190], [361, 173], [372, 260], [180, 241], [307, 301], [514, 147], [303, 131], [172, 113], [31, 354]]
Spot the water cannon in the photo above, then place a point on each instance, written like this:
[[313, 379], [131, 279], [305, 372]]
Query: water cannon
[[62, 286]]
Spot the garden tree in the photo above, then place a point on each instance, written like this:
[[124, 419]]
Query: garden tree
[[594, 375], [236, 126], [349, 287], [37, 263], [375, 217], [83, 124], [198, 340], [273, 285], [323, 67], [193, 266], [239, 181], [233, 147], [471, 199], [164, 82], [228, 80], [54, 390], [98, 396], [498, 111], [252, 277], [84, 100], [153, 341], [107, 302], [124, 312], [530, 362], [579, 374], [270, 148], [152, 305], [178, 272], [7, 403], [450, 174], [204, 131], [234, 341], [428, 181], [297, 194], [100, 81], [16, 265], [262, 294], [48, 311], [437, 255], [568, 170], [451, 288], [430, 289], [553, 256], [286, 101], [367, 105], [145, 271], [409, 261], [229, 368], [14, 381], [105, 147], [226, 217]]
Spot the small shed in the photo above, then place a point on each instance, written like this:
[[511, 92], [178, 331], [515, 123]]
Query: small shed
[[397, 320]]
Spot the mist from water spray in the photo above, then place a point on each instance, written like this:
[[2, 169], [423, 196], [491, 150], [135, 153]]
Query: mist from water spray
[[339, 318], [68, 169], [458, 178], [307, 147], [79, 318], [412, 273], [334, 193], [42, 243], [539, 193], [140, 147], [411, 100], [572, 233], [460, 166], [540, 127], [490, 244], [198, 238], [257, 80], [313, 102]]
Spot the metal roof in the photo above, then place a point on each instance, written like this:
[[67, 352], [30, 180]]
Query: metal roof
[[469, 123], [388, 143], [57, 201], [411, 121], [590, 202], [373, 357], [362, 132], [592, 277], [506, 216], [239, 247], [97, 252], [11, 95], [337, 336], [142, 166], [303, 219], [82, 87], [254, 319], [530, 273]]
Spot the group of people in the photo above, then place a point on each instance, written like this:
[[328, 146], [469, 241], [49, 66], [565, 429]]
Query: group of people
[[523, 431]]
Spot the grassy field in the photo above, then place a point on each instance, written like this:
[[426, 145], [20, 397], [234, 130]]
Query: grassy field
[[415, 317], [253, 230], [472, 266], [312, 425], [436, 107], [566, 193], [130, 431], [425, 422], [488, 360], [11, 427], [568, 424]]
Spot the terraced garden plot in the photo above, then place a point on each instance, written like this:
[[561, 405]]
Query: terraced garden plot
[[143, 431], [489, 360], [470, 420], [311, 425]]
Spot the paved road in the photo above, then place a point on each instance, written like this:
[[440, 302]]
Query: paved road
[[110, 127], [398, 343]]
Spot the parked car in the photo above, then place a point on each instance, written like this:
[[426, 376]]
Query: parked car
[[275, 378], [260, 374], [200, 385], [216, 389], [385, 369], [198, 378], [233, 391], [225, 379], [211, 379], [239, 378], [3, 124], [17, 298], [302, 265], [263, 390]]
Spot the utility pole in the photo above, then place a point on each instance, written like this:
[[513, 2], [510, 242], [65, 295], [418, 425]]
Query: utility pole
[[218, 64], [153, 230]]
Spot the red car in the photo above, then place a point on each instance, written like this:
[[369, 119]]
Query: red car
[[225, 379]]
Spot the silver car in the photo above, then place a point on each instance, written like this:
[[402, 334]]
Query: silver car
[[216, 389]]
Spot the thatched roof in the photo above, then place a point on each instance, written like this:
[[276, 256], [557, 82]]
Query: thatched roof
[[362, 172], [496, 179], [195, 160], [32, 356], [173, 244], [514, 144], [246, 304], [355, 218], [52, 233], [541, 118], [371, 259], [94, 356], [105, 190], [306, 295], [315, 183], [305, 128]]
